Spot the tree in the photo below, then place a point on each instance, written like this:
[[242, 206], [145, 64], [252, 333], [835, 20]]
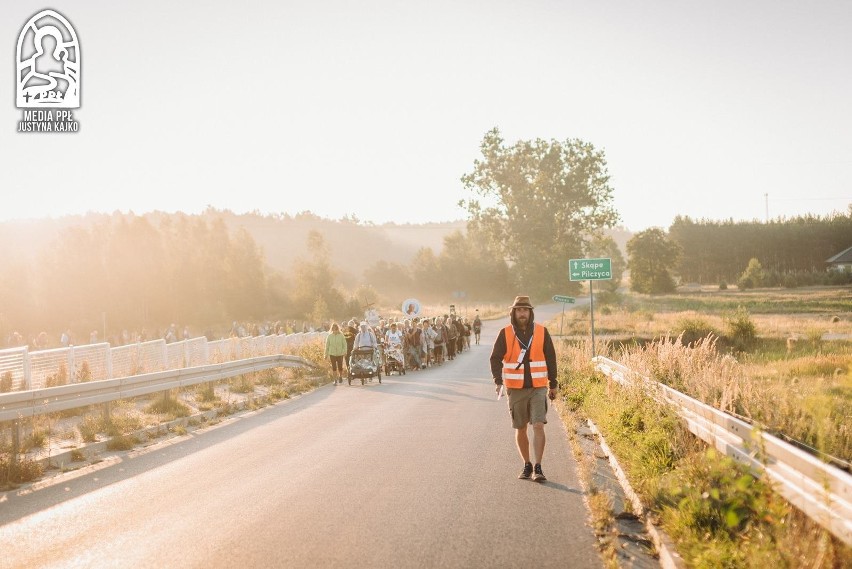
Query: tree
[[753, 275], [607, 248], [468, 265], [314, 280], [425, 272], [650, 256], [539, 203]]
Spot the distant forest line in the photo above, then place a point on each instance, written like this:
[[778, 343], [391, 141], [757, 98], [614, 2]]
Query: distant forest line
[[123, 271], [716, 251]]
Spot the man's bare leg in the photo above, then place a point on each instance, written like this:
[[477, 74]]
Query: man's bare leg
[[523, 443], [538, 441]]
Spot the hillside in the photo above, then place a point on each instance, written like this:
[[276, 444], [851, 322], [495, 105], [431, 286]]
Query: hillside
[[353, 245]]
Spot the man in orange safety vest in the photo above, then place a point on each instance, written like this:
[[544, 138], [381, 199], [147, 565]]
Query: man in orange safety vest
[[523, 361]]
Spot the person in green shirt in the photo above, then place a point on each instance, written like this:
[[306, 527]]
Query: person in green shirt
[[335, 350]]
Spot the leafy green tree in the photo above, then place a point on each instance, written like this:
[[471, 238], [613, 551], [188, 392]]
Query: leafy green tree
[[468, 265], [247, 278], [320, 312], [391, 280], [73, 277], [538, 203], [753, 275], [314, 280], [650, 257], [426, 274]]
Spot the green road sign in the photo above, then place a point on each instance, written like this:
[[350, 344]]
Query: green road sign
[[564, 299], [590, 269]]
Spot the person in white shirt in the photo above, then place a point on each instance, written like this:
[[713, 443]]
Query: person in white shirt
[[393, 338], [365, 338]]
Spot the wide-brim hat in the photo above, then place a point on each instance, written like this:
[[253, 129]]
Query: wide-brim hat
[[521, 302]]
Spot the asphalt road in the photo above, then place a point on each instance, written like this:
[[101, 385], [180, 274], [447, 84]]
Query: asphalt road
[[417, 472]]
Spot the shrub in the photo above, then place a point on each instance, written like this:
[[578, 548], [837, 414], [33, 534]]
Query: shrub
[[723, 285], [121, 442], [84, 374], [269, 377], [753, 274], [693, 329], [205, 393], [771, 278], [745, 283], [242, 384], [6, 382], [58, 378], [35, 440], [711, 506], [838, 278], [26, 470], [741, 331], [313, 351], [608, 297], [89, 428], [124, 422], [169, 406]]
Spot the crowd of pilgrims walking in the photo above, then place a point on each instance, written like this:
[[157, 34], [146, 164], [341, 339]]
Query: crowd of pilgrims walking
[[425, 342]]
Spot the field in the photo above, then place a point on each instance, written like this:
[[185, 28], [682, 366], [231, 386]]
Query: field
[[780, 358]]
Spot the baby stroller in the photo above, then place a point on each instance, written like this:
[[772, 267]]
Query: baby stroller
[[365, 363], [394, 360]]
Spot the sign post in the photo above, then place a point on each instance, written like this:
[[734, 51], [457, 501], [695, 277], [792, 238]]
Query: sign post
[[590, 270], [564, 300]]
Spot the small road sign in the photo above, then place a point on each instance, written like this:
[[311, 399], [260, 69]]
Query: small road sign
[[590, 269], [564, 299]]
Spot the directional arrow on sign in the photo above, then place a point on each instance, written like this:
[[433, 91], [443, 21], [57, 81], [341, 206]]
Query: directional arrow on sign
[[590, 269]]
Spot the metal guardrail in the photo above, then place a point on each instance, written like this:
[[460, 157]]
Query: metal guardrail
[[24, 370], [23, 404], [820, 490]]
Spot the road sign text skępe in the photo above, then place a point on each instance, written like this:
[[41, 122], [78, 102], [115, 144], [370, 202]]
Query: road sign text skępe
[[590, 269]]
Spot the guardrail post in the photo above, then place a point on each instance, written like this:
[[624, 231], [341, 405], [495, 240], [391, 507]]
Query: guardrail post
[[72, 365], [28, 378]]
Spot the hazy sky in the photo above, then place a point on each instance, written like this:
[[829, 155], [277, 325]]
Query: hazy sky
[[377, 108]]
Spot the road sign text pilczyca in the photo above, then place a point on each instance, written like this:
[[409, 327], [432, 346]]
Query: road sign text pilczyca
[[590, 269]]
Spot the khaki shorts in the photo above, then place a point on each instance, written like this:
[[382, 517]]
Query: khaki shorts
[[527, 406]]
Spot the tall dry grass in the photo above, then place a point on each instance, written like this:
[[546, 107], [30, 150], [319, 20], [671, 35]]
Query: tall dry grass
[[807, 398], [718, 514]]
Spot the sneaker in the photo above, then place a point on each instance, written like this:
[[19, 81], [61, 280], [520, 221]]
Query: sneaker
[[539, 475], [527, 471]]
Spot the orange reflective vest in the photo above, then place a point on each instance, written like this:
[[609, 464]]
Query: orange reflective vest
[[513, 376]]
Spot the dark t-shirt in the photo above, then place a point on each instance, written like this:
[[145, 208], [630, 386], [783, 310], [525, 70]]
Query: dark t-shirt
[[349, 333]]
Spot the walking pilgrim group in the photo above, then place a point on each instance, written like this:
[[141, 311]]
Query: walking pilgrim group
[[522, 362], [425, 342]]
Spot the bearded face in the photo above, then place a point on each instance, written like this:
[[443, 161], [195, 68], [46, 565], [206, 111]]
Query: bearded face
[[522, 316]]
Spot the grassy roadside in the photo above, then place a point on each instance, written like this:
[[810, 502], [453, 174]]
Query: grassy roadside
[[718, 514], [137, 421]]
